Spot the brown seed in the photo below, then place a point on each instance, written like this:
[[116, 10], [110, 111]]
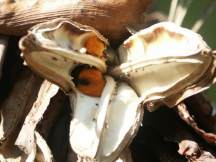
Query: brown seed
[[91, 82]]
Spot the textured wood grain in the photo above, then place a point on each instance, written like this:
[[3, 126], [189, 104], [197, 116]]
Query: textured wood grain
[[17, 104], [110, 17]]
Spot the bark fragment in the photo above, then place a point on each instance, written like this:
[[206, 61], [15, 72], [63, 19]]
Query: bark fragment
[[17, 104], [26, 138]]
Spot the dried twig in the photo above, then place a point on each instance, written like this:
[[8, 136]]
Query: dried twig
[[208, 11], [185, 115], [172, 10], [181, 11]]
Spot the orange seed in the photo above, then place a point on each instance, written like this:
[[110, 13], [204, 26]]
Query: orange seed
[[95, 46], [91, 82]]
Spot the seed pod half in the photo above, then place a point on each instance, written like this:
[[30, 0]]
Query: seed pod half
[[103, 126], [166, 62], [53, 49]]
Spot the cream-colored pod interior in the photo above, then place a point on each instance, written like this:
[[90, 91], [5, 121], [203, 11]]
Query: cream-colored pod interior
[[165, 60], [102, 127]]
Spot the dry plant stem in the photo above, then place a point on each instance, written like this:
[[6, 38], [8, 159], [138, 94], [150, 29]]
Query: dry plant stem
[[3, 48], [172, 10], [185, 115], [182, 11], [179, 9], [26, 139], [208, 11], [17, 104]]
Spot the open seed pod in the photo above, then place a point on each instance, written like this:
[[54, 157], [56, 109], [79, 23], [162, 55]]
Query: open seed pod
[[166, 62], [103, 126], [55, 48]]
